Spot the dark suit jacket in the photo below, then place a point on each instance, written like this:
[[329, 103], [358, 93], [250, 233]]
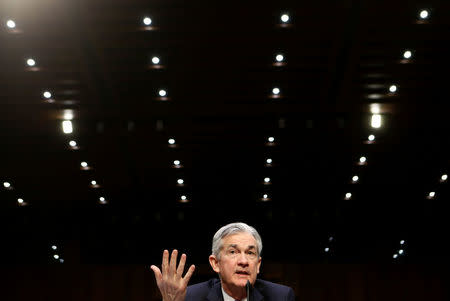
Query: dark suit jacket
[[262, 290]]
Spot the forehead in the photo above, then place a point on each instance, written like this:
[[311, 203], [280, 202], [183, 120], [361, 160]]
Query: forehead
[[241, 239]]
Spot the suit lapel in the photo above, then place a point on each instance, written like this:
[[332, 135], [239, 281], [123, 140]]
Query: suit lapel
[[215, 293], [256, 295]]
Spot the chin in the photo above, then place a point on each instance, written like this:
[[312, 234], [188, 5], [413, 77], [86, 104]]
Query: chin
[[242, 281]]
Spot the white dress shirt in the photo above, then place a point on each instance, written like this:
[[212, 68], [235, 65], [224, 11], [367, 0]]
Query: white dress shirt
[[227, 297]]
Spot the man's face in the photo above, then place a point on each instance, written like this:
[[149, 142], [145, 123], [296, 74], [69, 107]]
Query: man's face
[[238, 261]]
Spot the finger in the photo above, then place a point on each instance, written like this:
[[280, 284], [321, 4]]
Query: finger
[[165, 263], [180, 268], [189, 273], [158, 275], [173, 263]]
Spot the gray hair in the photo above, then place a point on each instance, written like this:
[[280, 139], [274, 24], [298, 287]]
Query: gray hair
[[233, 228]]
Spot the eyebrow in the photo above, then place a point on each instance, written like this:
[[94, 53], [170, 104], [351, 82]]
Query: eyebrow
[[235, 246]]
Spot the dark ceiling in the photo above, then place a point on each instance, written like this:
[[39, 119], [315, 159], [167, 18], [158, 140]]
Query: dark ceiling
[[217, 66]]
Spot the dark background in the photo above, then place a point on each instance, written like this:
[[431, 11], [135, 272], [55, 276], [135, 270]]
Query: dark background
[[217, 65]]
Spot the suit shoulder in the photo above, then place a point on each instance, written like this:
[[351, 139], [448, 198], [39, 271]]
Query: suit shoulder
[[200, 290], [268, 288]]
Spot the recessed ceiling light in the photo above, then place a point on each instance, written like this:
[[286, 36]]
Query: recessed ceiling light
[[376, 121], [355, 178], [371, 137], [348, 195], [394, 256], [183, 198], [56, 256], [327, 249], [147, 21], [93, 183], [68, 114], [284, 18], [176, 162], [265, 196], [400, 251], [31, 62], [432, 194], [269, 161], [102, 199], [67, 126], [266, 180], [47, 94], [362, 159], [374, 108], [392, 88], [54, 247], [180, 181], [271, 139], [276, 91], [155, 60], [6, 184], [444, 177], [162, 93], [402, 242], [84, 164], [11, 24], [424, 14], [279, 57], [20, 201], [171, 141], [73, 143], [407, 54]]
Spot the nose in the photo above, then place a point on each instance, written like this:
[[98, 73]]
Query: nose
[[242, 260]]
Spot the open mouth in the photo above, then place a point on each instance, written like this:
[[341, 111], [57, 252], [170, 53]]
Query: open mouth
[[242, 273]]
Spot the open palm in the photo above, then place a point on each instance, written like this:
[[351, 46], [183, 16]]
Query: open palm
[[170, 280]]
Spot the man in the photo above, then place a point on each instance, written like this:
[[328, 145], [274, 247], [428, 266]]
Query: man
[[236, 250]]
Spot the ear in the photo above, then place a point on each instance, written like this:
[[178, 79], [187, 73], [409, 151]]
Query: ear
[[259, 264], [214, 262]]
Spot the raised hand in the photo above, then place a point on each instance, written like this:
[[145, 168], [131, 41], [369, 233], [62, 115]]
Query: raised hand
[[170, 281]]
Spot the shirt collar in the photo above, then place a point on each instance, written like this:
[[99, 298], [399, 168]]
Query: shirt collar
[[227, 297]]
